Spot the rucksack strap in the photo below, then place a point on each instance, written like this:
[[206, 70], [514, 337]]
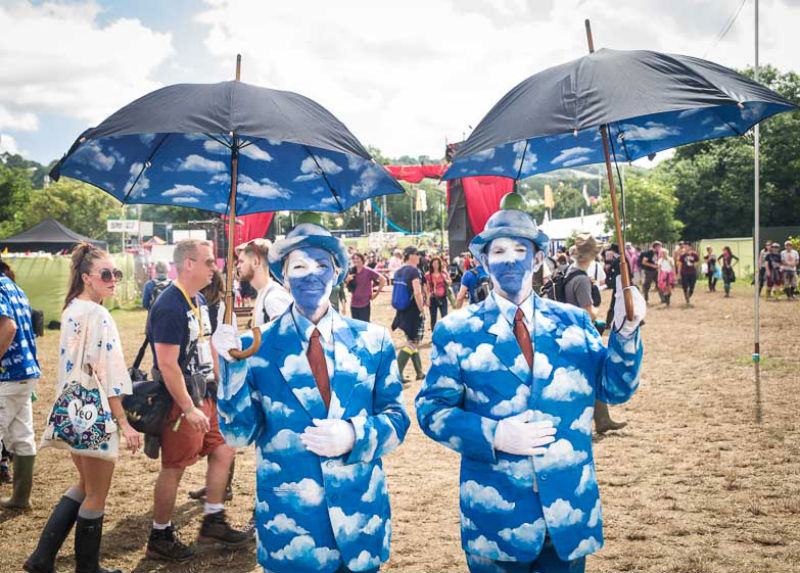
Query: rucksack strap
[[140, 354]]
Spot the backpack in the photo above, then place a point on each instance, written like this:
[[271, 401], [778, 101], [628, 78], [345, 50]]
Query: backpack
[[557, 287], [158, 288], [401, 297], [482, 288]]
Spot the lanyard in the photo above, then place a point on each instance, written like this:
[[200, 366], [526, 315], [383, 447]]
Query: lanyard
[[194, 309]]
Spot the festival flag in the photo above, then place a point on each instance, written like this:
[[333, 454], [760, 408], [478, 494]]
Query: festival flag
[[549, 202]]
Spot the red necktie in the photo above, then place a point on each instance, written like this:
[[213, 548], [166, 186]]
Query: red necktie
[[319, 367], [523, 337]]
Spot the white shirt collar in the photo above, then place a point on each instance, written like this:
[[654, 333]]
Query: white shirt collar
[[305, 327], [508, 309]]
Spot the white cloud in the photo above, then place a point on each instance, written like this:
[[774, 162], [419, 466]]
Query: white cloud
[[303, 549], [482, 359], [255, 153], [571, 156], [44, 49], [8, 144], [264, 189], [183, 191], [541, 365], [24, 121], [284, 440], [304, 493], [364, 561], [584, 422], [513, 405], [527, 536], [486, 548], [586, 546], [573, 336], [282, 523], [376, 484], [596, 514], [650, 131], [485, 498], [587, 479], [346, 527], [196, 162], [561, 513], [520, 472], [567, 384], [560, 455]]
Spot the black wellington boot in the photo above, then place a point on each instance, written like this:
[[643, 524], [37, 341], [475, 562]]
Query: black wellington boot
[[88, 534], [63, 517]]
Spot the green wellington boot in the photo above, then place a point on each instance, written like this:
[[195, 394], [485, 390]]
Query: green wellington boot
[[417, 362], [402, 359], [22, 484]]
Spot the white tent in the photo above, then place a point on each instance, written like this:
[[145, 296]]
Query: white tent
[[559, 229]]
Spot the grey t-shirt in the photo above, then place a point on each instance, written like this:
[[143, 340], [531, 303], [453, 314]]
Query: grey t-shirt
[[578, 291]]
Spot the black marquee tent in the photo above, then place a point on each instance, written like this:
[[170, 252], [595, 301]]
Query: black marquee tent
[[48, 235]]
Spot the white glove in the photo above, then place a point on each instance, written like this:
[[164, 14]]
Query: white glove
[[225, 339], [622, 326], [329, 438], [518, 435]]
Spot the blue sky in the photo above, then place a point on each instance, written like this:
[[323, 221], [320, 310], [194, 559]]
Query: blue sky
[[405, 77]]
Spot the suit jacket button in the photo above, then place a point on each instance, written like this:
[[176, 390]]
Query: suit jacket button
[[541, 478]]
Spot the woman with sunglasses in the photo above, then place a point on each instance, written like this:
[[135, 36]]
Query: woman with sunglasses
[[89, 344]]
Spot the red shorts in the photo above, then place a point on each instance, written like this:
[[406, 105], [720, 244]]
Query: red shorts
[[182, 448]]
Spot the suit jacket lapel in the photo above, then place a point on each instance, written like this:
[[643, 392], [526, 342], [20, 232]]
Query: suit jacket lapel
[[505, 348], [295, 368], [347, 366], [542, 340]]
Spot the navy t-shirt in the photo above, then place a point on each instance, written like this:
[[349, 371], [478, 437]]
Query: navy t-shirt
[[172, 321]]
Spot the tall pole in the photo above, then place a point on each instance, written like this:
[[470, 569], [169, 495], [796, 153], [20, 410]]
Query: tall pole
[[229, 316], [756, 217], [623, 262]]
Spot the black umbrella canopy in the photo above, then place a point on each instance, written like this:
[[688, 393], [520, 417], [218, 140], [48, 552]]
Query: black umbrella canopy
[[232, 107], [653, 96]]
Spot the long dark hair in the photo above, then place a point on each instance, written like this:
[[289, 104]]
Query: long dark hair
[[83, 257], [8, 271], [214, 290], [436, 259]]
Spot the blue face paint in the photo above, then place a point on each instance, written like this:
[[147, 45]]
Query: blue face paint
[[510, 265], [310, 275]]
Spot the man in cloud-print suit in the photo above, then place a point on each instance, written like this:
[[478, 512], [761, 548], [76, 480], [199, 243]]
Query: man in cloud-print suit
[[322, 501], [529, 498]]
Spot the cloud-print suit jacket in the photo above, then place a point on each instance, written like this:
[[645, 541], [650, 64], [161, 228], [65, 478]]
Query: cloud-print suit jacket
[[312, 513], [479, 376]]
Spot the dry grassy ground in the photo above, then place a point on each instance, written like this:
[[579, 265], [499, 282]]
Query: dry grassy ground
[[704, 478]]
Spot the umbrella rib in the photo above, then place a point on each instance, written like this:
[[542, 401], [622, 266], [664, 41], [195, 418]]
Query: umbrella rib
[[218, 140], [325, 177], [144, 166], [522, 160]]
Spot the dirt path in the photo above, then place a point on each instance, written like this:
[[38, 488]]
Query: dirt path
[[705, 478]]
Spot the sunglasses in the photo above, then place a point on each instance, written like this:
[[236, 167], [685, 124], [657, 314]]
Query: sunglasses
[[107, 275], [209, 262]]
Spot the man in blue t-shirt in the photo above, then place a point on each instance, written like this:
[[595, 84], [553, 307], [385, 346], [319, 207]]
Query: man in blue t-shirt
[[19, 371], [470, 280], [179, 329]]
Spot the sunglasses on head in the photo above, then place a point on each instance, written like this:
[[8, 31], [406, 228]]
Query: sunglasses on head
[[106, 275]]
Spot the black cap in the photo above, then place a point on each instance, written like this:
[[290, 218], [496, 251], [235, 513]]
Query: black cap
[[410, 250]]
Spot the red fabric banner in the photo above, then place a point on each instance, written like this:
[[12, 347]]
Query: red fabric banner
[[483, 196], [416, 173], [253, 227]]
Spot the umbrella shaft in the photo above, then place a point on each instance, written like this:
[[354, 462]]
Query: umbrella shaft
[[231, 230]]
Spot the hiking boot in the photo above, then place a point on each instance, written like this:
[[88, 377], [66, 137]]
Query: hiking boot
[[165, 545], [200, 494], [215, 529]]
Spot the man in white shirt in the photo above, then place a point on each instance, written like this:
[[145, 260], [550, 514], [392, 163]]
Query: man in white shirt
[[251, 266], [789, 261]]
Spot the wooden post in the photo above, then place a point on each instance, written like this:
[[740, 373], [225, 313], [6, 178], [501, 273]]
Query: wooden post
[[229, 298], [623, 261]]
